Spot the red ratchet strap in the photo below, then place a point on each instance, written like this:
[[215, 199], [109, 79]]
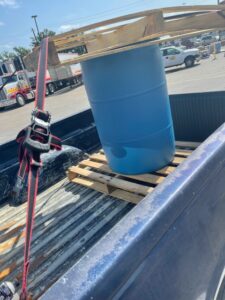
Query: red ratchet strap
[[34, 140]]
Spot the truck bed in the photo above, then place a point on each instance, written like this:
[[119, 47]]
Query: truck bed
[[72, 222], [69, 220]]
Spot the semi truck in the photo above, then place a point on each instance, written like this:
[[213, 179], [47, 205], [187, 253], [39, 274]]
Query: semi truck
[[15, 88], [57, 77], [90, 245]]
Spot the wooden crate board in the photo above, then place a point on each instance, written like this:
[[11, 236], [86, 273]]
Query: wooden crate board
[[95, 173]]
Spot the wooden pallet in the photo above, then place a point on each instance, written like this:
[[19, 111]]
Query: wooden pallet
[[149, 26], [95, 173], [132, 31]]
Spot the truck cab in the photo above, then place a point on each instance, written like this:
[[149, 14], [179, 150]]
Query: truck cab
[[15, 89]]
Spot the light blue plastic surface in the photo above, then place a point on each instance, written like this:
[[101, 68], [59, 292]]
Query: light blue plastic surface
[[129, 99]]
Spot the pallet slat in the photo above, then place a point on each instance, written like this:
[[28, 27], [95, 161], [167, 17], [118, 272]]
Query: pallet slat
[[184, 153], [149, 178], [112, 181], [178, 152], [100, 187], [166, 171], [184, 144], [102, 158]]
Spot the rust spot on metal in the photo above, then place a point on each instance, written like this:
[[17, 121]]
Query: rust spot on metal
[[11, 243], [11, 232], [7, 271]]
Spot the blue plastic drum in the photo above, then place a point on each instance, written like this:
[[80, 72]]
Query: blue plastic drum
[[129, 99]]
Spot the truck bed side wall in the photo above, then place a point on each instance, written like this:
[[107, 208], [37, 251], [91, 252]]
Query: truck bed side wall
[[197, 115]]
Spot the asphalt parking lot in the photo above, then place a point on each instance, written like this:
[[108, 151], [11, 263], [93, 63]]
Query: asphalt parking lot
[[206, 76], [62, 104]]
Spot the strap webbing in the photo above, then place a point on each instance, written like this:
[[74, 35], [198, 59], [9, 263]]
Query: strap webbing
[[30, 159], [32, 195], [41, 75]]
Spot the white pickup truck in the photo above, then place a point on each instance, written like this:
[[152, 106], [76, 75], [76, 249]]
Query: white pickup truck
[[173, 56]]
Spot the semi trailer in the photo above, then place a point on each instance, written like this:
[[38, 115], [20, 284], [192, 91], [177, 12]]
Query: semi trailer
[[58, 76]]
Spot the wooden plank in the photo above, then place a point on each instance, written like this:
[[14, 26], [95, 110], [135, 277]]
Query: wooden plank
[[180, 33], [123, 36], [100, 187], [102, 158], [156, 26], [104, 52], [88, 36], [31, 59], [166, 171], [184, 153], [191, 145], [99, 157], [81, 39], [129, 33], [179, 152], [115, 182], [198, 22], [149, 178], [96, 25], [165, 10], [190, 8], [177, 160]]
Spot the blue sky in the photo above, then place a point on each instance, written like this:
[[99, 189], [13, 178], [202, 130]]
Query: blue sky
[[59, 15]]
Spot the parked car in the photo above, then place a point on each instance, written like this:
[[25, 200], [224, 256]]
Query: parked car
[[208, 39], [173, 56]]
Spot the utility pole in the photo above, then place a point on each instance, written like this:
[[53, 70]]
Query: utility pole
[[35, 37], [36, 24]]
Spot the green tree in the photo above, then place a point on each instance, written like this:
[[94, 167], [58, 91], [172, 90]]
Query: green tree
[[45, 33], [5, 55], [21, 51]]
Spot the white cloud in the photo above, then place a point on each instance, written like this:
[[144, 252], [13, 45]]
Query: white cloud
[[2, 23], [67, 27], [9, 3]]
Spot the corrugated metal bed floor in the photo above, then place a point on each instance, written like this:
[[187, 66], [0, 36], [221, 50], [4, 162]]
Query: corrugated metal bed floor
[[69, 220]]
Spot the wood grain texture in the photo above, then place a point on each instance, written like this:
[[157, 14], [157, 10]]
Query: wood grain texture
[[165, 10]]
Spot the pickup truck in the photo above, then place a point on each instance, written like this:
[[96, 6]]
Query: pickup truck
[[173, 56], [89, 245]]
